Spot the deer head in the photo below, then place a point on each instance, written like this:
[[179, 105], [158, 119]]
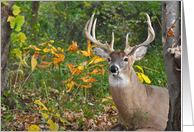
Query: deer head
[[118, 61]]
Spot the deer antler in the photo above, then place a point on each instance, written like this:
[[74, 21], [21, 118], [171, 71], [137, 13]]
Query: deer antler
[[92, 37], [150, 38]]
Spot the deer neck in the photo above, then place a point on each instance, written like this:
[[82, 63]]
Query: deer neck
[[127, 89]]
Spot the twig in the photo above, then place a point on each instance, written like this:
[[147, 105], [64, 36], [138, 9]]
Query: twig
[[27, 78]]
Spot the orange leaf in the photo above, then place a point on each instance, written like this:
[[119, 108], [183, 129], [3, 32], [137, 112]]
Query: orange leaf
[[73, 70], [85, 86], [68, 80], [89, 80], [46, 63], [36, 55], [89, 46], [70, 85], [72, 47], [171, 33], [173, 26], [43, 66], [86, 53], [43, 57], [95, 71]]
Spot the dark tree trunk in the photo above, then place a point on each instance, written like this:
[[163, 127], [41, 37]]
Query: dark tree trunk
[[6, 11], [35, 6], [170, 13]]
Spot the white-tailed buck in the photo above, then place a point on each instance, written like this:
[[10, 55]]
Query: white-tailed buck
[[140, 107]]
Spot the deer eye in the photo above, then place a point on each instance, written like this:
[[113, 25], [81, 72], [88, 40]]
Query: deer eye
[[108, 59], [126, 59]]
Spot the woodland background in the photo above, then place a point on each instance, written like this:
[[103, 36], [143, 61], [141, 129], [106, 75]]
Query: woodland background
[[56, 82]]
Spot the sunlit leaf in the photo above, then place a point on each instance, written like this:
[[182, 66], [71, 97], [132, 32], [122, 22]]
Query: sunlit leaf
[[33, 128], [72, 47], [5, 3], [81, 68], [10, 19], [139, 76], [43, 44], [95, 71], [70, 85], [86, 53], [88, 79], [18, 53], [147, 80], [43, 57], [46, 50], [43, 66], [45, 115], [104, 100], [40, 103], [35, 48], [52, 41], [16, 10], [68, 80], [52, 126], [33, 62], [139, 68]]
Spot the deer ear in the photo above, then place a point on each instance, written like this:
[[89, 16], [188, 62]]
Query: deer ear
[[100, 52], [140, 52]]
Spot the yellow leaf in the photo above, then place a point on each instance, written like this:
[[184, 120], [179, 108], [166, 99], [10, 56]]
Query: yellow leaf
[[43, 44], [46, 50], [72, 47], [40, 103], [10, 19], [139, 68], [50, 45], [104, 100], [57, 115], [139, 76], [33, 128], [98, 60], [81, 68], [147, 80], [109, 98], [93, 59], [52, 41], [53, 126], [70, 85], [33, 62], [35, 48], [86, 53], [45, 115], [18, 53], [54, 48]]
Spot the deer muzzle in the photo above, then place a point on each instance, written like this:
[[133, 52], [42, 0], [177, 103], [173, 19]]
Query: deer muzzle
[[114, 70]]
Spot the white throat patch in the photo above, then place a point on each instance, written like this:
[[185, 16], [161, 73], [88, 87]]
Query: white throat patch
[[118, 81]]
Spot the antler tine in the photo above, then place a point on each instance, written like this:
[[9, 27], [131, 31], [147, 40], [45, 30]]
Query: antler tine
[[150, 38], [127, 47], [112, 42], [92, 38]]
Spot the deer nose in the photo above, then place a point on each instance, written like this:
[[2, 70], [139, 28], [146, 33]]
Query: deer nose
[[113, 69]]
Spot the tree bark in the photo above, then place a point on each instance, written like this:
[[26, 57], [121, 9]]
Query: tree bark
[[170, 13], [6, 11], [35, 6]]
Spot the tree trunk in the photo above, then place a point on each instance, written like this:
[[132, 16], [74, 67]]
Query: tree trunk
[[35, 5], [170, 13], [6, 11]]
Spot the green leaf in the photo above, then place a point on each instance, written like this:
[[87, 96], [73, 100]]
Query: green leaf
[[22, 37], [4, 2], [7, 92], [16, 10], [20, 21], [18, 53], [12, 24], [63, 120]]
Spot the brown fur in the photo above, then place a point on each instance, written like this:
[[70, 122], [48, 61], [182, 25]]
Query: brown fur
[[140, 99]]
